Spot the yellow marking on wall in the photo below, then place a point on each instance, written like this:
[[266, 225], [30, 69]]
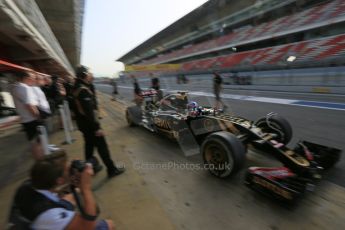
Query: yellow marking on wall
[[136, 68], [321, 90]]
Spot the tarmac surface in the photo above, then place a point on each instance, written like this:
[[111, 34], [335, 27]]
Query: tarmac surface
[[151, 196]]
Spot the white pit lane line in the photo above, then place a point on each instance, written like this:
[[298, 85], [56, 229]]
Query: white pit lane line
[[303, 103]]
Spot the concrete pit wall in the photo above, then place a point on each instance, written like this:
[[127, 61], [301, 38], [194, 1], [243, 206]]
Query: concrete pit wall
[[329, 80]]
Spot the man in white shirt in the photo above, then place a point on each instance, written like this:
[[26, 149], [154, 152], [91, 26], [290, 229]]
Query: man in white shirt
[[26, 106], [42, 102]]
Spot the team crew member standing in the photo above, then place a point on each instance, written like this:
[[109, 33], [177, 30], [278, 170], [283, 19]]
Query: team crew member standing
[[115, 91], [88, 124], [26, 106], [155, 84], [217, 88], [138, 98], [41, 98]]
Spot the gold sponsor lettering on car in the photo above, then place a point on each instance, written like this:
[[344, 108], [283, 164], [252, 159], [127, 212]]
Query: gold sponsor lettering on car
[[274, 188], [161, 123]]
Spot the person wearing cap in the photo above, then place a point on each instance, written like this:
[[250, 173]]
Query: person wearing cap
[[88, 123]]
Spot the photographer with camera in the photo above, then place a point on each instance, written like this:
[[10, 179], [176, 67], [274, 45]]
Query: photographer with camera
[[38, 202]]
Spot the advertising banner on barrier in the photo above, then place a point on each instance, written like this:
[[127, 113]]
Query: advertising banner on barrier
[[158, 67]]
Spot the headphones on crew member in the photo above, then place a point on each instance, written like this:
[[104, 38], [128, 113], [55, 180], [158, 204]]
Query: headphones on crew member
[[82, 71]]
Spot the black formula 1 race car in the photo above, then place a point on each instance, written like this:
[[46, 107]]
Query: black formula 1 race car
[[223, 141]]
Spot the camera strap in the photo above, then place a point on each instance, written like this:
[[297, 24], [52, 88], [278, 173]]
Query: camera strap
[[81, 208]]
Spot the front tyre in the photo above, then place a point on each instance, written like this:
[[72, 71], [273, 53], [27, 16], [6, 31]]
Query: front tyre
[[278, 125], [223, 154]]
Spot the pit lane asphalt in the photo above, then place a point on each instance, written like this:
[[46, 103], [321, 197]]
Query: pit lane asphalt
[[193, 199], [322, 126]]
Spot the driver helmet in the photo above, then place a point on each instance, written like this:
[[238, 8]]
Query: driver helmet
[[192, 105]]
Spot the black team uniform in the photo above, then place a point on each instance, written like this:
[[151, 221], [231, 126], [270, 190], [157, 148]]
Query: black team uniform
[[88, 124], [155, 84]]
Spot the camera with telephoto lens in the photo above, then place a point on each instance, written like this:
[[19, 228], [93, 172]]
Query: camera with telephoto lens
[[77, 166]]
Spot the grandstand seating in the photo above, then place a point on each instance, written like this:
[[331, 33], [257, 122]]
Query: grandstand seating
[[327, 11], [313, 50]]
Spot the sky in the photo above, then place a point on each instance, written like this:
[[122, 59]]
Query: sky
[[111, 28]]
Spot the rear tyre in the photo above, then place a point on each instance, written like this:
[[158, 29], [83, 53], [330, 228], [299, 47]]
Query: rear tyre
[[129, 119], [223, 154], [134, 115], [277, 125]]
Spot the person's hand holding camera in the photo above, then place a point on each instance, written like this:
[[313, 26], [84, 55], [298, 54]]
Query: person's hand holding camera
[[85, 178], [80, 174], [81, 177]]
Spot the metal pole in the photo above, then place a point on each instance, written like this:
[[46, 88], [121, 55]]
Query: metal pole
[[68, 138], [68, 114], [43, 139]]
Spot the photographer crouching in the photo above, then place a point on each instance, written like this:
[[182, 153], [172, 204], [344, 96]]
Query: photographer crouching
[[38, 205]]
